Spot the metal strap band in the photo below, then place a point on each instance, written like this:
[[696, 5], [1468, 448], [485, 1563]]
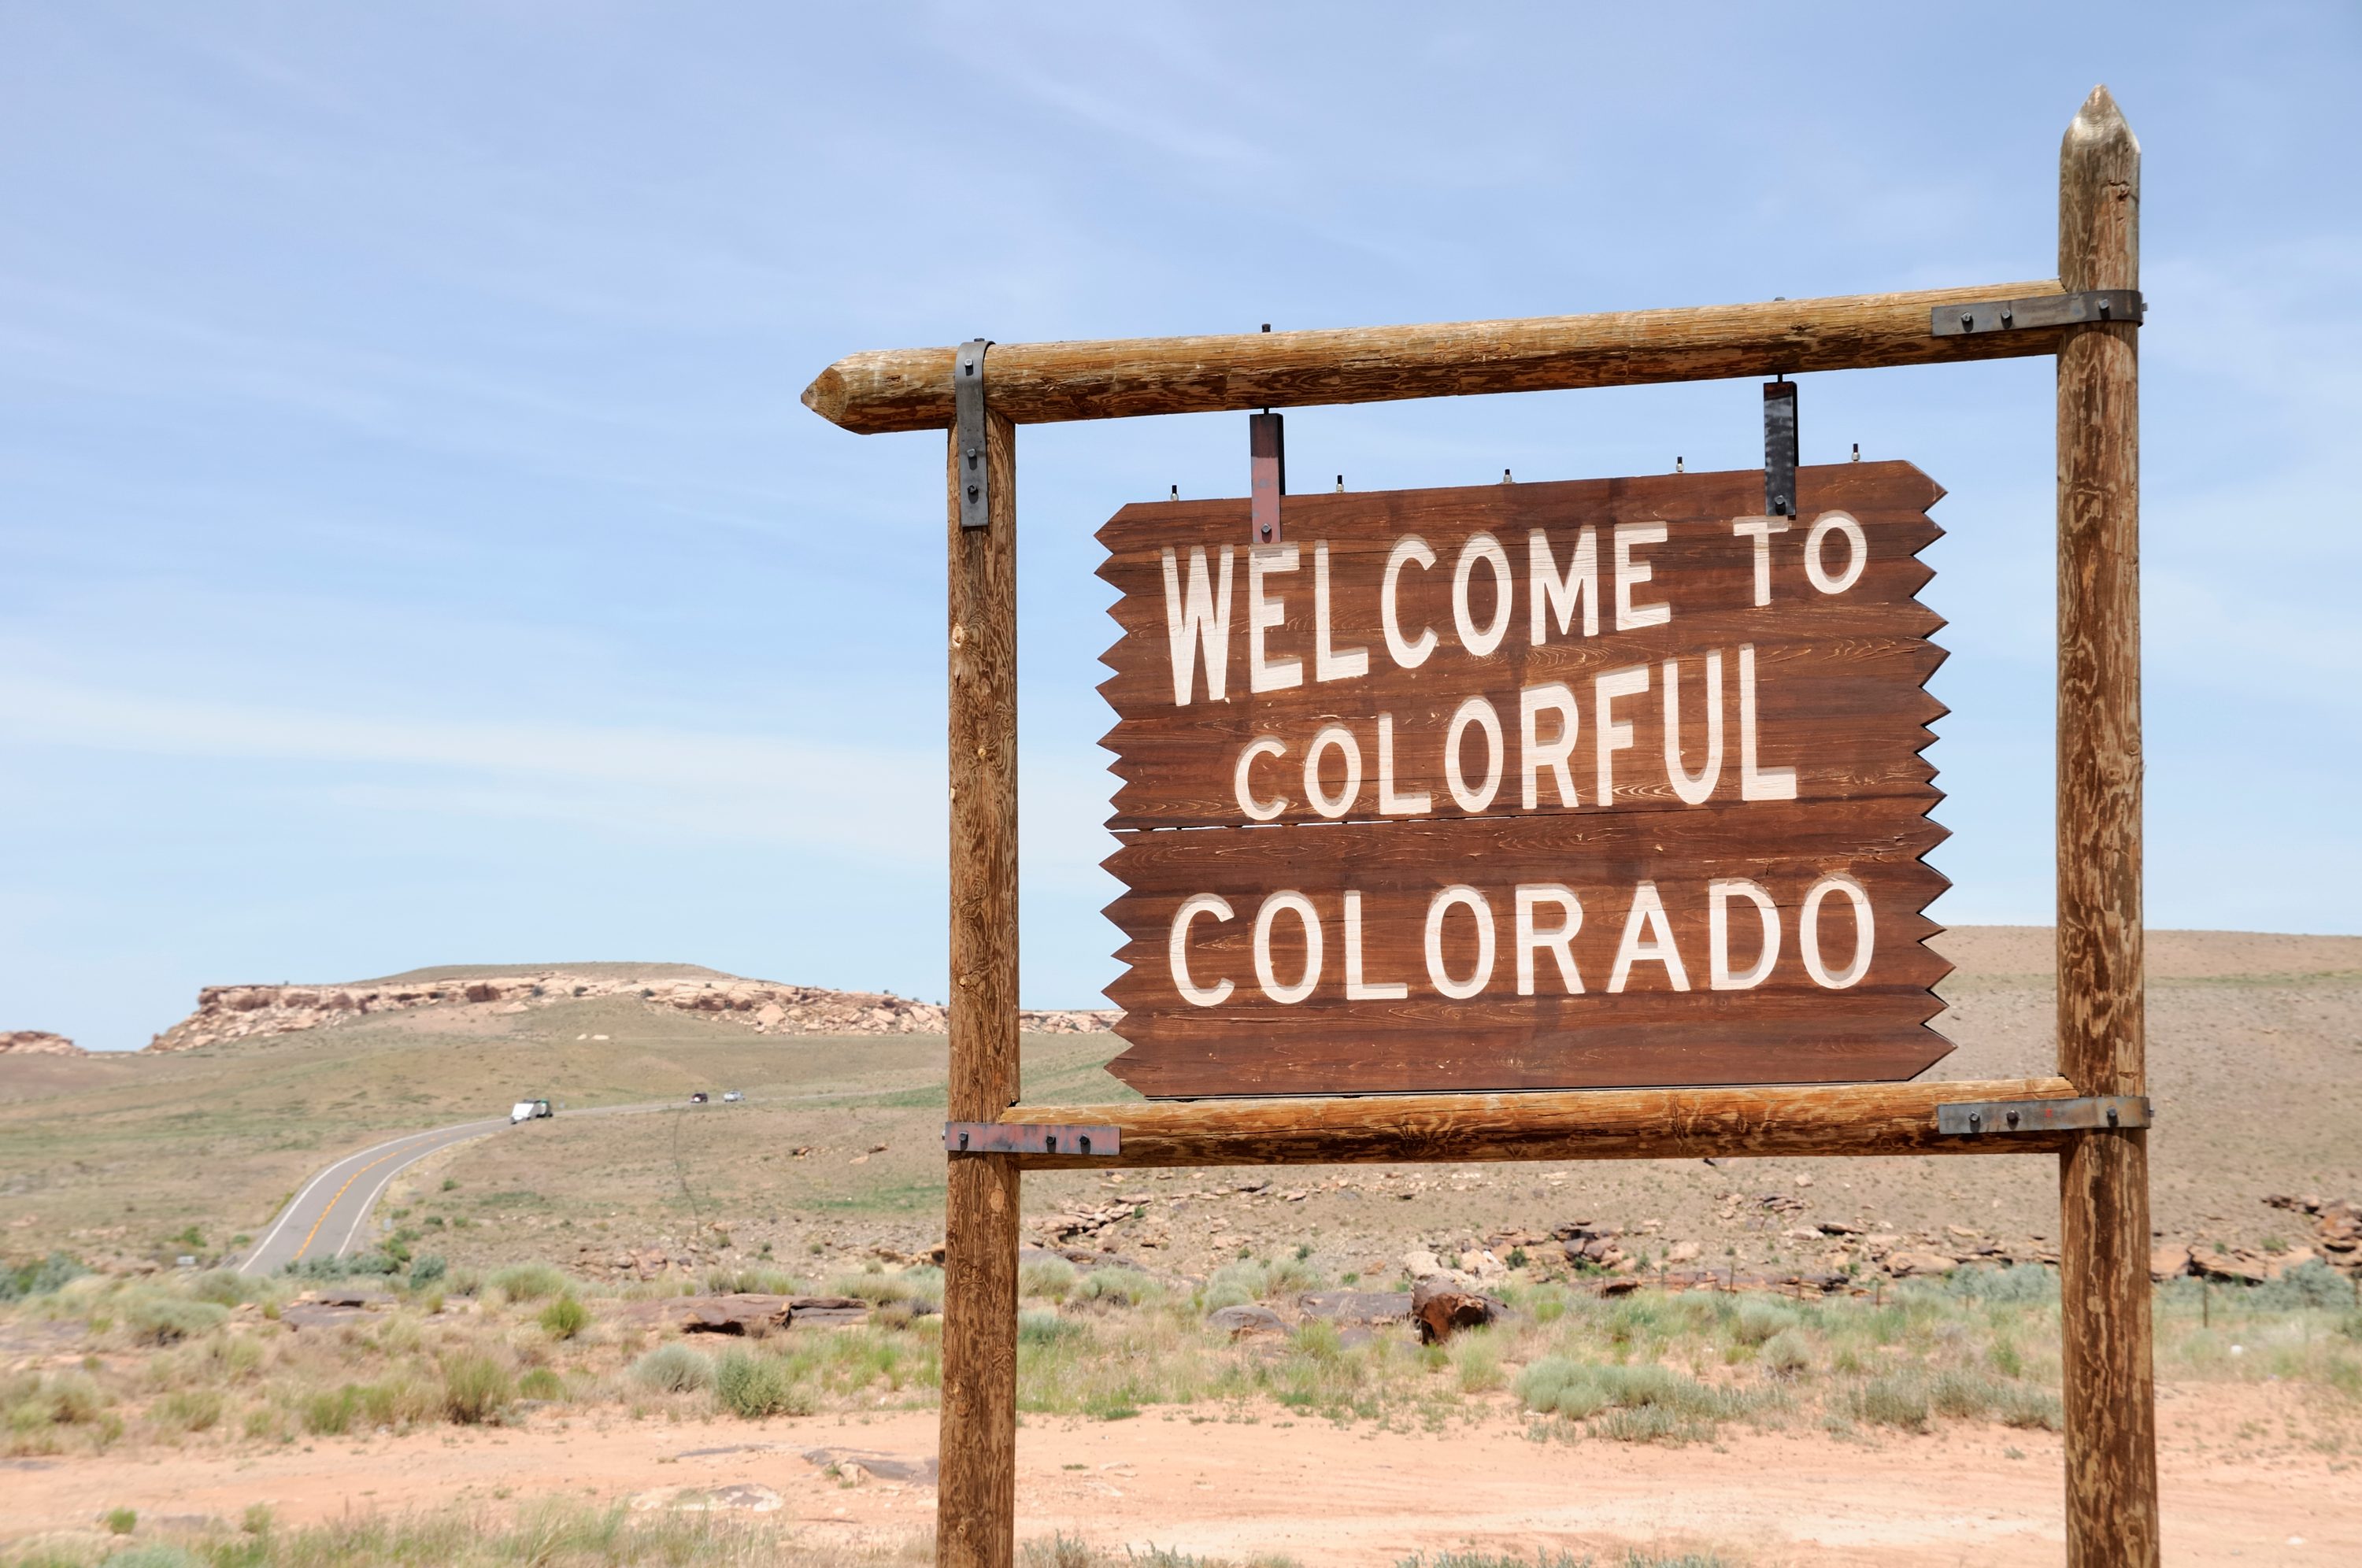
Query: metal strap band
[[1267, 475], [2093, 307], [967, 402], [1780, 448], [1976, 1118], [1034, 1138]]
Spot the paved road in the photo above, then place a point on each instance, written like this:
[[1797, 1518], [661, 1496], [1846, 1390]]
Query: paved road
[[330, 1212], [328, 1217]]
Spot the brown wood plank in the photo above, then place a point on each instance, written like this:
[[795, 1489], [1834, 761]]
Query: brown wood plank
[[1835, 680], [2109, 1393], [977, 1524], [1787, 1028], [1596, 1124], [1040, 384]]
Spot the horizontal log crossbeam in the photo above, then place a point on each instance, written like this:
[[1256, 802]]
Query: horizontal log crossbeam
[[1049, 383], [1576, 1124]]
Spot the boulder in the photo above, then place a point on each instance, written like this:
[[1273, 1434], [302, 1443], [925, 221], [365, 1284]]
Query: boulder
[[1906, 1264], [822, 1311], [1357, 1306], [883, 1466], [2242, 1267], [738, 1313], [1442, 1305], [1241, 1321], [2279, 1263], [2170, 1262], [318, 1315]]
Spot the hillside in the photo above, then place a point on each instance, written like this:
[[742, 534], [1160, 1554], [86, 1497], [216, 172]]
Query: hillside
[[466, 990], [2255, 1059]]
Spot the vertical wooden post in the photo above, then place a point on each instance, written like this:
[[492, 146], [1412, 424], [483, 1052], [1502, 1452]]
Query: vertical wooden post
[[2103, 1180], [976, 1520]]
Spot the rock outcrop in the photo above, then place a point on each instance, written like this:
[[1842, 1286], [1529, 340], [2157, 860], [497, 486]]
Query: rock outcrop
[[37, 1043], [767, 1007]]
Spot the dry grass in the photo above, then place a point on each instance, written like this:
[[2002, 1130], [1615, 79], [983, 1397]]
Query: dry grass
[[554, 1533], [1645, 1366]]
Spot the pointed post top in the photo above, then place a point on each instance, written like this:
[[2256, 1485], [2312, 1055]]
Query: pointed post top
[[2099, 198], [2099, 124]]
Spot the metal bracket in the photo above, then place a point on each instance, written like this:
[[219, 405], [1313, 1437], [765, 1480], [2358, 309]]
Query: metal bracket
[[1975, 1119], [967, 403], [1266, 474], [1780, 448], [2093, 307], [1023, 1138]]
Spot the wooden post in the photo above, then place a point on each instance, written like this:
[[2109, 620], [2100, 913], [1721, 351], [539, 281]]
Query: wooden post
[[2112, 1515], [976, 1520]]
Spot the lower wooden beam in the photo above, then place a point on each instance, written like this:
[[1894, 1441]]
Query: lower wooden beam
[[1575, 1124]]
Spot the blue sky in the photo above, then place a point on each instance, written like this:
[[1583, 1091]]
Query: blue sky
[[412, 550]]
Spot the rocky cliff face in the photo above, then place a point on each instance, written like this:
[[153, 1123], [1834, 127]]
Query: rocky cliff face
[[767, 1007], [37, 1043]]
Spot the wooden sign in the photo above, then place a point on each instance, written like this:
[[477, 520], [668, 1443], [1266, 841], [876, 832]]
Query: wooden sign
[[1527, 786]]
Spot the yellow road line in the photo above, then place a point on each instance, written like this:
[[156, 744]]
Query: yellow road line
[[340, 1193]]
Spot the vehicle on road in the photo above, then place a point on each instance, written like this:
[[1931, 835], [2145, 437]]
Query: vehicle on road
[[700, 1098], [734, 1096], [529, 1110]]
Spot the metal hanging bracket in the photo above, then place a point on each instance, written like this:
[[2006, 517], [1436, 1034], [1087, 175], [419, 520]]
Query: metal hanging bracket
[[2093, 307], [967, 406], [1780, 448], [1266, 474], [1034, 1138], [1977, 1119]]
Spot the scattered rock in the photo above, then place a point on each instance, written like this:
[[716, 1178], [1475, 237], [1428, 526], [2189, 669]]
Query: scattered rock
[[1086, 1222], [2338, 1226], [741, 1498], [745, 1312]]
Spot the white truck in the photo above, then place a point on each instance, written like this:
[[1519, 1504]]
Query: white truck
[[529, 1110]]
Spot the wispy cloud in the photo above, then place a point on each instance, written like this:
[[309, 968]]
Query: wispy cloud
[[865, 800]]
